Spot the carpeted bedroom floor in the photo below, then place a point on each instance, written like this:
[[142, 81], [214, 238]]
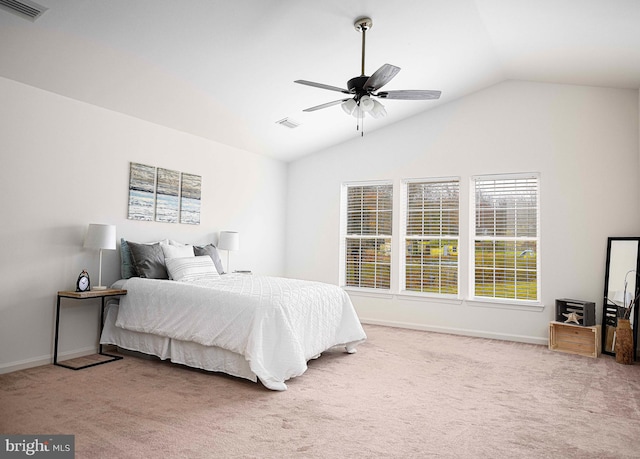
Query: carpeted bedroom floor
[[404, 394]]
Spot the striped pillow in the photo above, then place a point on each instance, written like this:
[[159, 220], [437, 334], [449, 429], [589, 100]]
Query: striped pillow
[[192, 268]]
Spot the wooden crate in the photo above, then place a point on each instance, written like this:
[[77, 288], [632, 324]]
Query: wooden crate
[[584, 309], [575, 339]]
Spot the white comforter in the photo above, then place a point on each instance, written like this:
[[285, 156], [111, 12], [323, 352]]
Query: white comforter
[[277, 324]]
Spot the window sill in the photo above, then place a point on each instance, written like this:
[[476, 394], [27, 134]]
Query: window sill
[[408, 296], [404, 295], [373, 293], [411, 296], [506, 304]]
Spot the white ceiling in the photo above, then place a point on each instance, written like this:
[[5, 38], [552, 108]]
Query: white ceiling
[[224, 70]]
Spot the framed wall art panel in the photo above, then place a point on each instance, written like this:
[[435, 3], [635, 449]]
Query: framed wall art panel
[[142, 187], [167, 196], [190, 199]]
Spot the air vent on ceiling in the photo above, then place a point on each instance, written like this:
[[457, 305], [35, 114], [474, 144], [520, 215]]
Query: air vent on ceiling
[[23, 8], [288, 123]]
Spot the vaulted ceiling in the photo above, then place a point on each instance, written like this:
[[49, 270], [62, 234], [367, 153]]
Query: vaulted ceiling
[[224, 70]]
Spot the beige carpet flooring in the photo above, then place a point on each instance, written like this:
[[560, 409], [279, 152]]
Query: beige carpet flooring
[[404, 394]]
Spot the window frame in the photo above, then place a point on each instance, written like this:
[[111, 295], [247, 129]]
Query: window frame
[[404, 237], [344, 208], [473, 297]]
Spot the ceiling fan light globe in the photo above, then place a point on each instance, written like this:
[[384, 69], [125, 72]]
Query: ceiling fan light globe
[[358, 112], [378, 110], [348, 106], [367, 104]]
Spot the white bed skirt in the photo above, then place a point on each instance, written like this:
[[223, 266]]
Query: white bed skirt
[[194, 355]]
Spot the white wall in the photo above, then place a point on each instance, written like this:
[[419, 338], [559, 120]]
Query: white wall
[[582, 140], [65, 164]]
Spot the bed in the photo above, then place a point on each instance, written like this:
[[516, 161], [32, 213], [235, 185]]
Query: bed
[[248, 326]]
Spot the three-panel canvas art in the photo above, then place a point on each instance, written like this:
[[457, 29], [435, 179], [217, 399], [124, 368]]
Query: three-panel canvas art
[[163, 195]]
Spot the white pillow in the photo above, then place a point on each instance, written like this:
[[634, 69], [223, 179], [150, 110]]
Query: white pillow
[[192, 268], [172, 251]]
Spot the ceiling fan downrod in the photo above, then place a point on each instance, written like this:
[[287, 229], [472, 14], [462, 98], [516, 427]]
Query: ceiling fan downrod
[[362, 25]]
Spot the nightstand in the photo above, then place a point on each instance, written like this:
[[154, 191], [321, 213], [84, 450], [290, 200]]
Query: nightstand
[[102, 294]]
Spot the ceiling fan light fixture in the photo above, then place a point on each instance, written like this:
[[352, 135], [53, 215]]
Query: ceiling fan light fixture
[[366, 104], [349, 106], [378, 110]]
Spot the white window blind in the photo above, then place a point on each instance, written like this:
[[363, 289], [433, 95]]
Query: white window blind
[[431, 226], [367, 235], [506, 237]]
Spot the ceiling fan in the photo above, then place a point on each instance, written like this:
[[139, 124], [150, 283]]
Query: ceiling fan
[[363, 88]]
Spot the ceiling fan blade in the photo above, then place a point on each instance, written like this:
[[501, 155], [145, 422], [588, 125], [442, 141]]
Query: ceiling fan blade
[[328, 104], [322, 86], [381, 77], [409, 94]]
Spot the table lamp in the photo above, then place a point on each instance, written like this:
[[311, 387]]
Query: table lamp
[[100, 237], [229, 240]]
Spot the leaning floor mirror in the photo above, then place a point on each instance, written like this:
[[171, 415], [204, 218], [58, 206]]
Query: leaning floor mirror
[[620, 289]]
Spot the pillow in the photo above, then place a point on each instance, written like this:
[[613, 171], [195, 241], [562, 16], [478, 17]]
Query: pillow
[[212, 251], [192, 268], [148, 260], [127, 267], [173, 251]]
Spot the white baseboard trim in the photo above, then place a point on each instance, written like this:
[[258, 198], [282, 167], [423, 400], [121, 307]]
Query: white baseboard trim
[[459, 331], [45, 360]]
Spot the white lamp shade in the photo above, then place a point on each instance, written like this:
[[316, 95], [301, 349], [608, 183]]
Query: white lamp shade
[[229, 240], [100, 237]]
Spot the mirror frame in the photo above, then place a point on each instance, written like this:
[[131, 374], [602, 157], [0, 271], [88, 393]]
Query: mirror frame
[[605, 306]]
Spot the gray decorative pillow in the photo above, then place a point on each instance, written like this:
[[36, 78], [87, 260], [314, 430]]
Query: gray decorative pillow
[[212, 251], [127, 268], [148, 260]]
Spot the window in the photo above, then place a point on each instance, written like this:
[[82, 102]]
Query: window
[[506, 237], [367, 235], [502, 263], [431, 222]]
